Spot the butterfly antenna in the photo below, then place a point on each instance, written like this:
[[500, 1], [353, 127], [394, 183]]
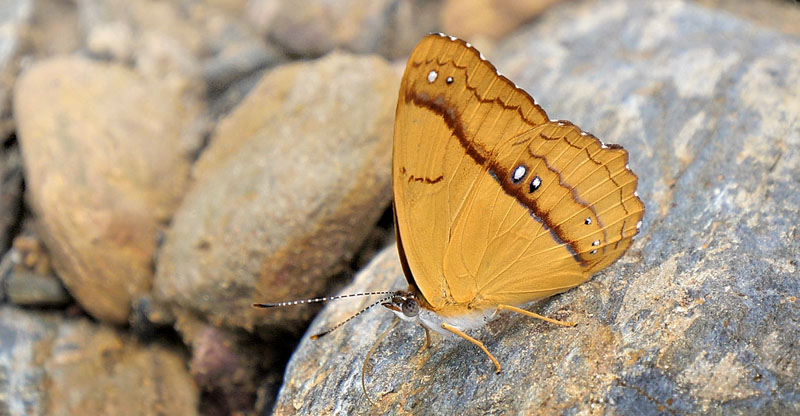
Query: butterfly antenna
[[317, 300], [340, 324]]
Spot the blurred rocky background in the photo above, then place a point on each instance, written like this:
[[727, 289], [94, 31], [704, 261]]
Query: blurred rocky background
[[164, 164]]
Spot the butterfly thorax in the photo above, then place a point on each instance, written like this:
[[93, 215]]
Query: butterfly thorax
[[412, 306]]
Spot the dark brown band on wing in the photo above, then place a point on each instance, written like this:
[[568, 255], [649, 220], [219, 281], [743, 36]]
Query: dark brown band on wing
[[453, 121]]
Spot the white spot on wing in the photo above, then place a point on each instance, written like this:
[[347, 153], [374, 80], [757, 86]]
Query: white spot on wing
[[535, 184], [432, 76], [519, 173]]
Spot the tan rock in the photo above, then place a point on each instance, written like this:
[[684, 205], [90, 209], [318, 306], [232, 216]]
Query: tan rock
[[105, 165], [470, 19], [291, 185], [314, 27]]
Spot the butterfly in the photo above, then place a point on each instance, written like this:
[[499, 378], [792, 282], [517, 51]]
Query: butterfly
[[495, 205]]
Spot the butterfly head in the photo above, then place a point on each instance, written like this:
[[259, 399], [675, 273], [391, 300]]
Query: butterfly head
[[404, 304]]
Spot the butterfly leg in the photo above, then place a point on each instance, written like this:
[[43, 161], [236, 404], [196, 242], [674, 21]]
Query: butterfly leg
[[472, 340], [534, 315], [427, 340], [366, 365]]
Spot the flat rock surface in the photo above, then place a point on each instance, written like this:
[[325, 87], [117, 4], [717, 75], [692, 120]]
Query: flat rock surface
[[700, 316], [290, 186], [51, 365]]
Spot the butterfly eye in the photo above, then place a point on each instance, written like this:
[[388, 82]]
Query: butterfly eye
[[410, 308]]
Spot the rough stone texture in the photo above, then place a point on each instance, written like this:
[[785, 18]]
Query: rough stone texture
[[312, 28], [105, 167], [55, 366], [290, 186], [701, 316], [781, 15]]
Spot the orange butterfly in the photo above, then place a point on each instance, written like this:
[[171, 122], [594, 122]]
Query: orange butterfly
[[495, 204]]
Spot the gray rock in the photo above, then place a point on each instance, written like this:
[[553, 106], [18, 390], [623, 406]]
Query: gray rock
[[207, 42], [701, 315], [26, 275], [26, 288], [778, 15], [10, 191], [55, 366], [15, 20], [237, 53]]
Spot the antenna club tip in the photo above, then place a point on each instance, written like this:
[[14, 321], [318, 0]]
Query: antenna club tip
[[315, 336], [262, 305]]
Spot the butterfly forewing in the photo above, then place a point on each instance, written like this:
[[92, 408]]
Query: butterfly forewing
[[494, 202]]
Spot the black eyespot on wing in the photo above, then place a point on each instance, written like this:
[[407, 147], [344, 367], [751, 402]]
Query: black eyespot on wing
[[535, 184]]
